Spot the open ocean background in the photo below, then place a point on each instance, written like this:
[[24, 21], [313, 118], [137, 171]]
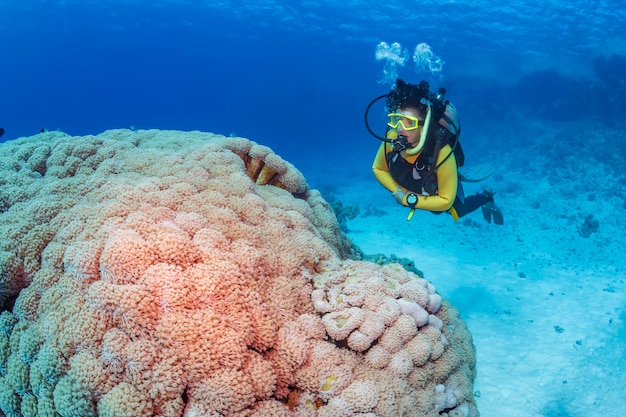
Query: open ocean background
[[297, 76], [540, 86]]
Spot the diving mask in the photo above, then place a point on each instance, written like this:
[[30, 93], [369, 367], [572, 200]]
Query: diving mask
[[408, 122]]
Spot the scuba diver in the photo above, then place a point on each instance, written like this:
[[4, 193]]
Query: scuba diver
[[419, 158]]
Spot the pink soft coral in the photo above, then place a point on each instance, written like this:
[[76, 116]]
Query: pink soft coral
[[188, 274]]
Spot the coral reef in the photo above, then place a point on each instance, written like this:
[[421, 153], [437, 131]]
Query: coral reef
[[382, 259], [590, 225], [344, 213], [155, 273]]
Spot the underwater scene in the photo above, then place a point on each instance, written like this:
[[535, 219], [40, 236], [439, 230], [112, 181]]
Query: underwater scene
[[312, 208]]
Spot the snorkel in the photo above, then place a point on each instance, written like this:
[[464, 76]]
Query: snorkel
[[420, 145]]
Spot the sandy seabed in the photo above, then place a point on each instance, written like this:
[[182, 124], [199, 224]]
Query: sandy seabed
[[543, 295]]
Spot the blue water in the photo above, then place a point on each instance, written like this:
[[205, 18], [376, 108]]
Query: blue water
[[297, 75]]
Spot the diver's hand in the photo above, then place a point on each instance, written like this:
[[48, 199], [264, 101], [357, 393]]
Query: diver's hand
[[399, 196]]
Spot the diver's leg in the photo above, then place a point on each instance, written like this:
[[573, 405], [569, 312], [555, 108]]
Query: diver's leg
[[471, 203], [484, 200]]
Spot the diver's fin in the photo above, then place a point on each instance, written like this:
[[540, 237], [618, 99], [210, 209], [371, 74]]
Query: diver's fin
[[476, 173], [492, 212], [486, 209], [498, 218]]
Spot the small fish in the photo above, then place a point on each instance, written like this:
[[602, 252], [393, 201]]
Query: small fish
[[1, 131]]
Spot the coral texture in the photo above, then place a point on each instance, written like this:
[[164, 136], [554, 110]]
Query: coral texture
[[156, 273]]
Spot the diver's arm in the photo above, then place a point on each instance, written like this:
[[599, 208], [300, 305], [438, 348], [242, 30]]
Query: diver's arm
[[381, 171], [447, 179]]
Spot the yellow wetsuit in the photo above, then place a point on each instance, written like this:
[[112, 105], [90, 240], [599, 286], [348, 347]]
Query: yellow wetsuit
[[447, 179]]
